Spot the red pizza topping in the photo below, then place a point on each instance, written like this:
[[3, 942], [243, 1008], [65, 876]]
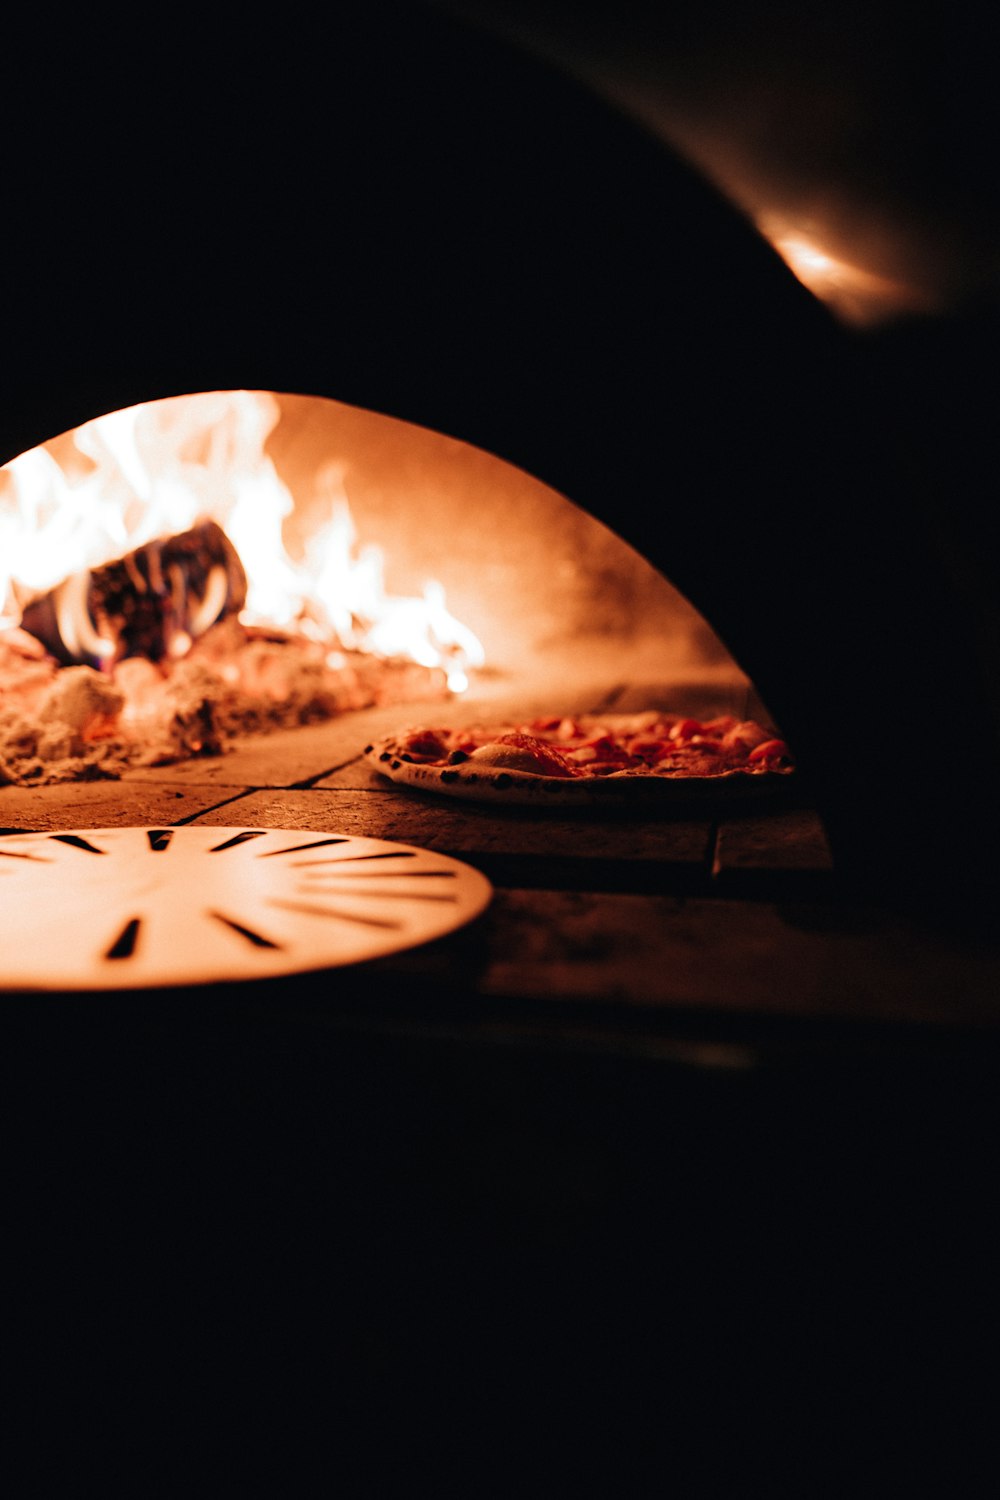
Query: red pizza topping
[[426, 744], [768, 751], [600, 749], [589, 747]]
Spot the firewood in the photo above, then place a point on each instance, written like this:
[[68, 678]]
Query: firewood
[[153, 602]]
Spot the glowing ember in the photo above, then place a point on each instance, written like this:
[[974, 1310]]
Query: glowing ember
[[133, 476]]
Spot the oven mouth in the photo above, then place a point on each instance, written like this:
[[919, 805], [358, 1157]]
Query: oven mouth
[[312, 557]]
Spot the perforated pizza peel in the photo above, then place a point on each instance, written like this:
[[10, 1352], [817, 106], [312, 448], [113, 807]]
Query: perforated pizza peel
[[120, 908]]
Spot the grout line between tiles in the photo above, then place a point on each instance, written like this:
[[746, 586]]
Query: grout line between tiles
[[226, 801], [308, 782]]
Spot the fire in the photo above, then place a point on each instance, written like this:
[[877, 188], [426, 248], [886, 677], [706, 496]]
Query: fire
[[154, 470]]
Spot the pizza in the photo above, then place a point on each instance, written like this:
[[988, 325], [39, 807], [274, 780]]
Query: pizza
[[582, 759]]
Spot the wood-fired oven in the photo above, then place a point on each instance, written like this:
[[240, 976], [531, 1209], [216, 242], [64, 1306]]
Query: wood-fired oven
[[458, 255]]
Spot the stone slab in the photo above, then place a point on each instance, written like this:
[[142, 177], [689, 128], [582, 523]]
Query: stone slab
[[627, 954], [104, 804], [734, 956], [779, 850], [286, 758], [505, 843]]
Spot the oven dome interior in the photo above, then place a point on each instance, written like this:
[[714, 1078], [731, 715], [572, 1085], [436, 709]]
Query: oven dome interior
[[553, 595]]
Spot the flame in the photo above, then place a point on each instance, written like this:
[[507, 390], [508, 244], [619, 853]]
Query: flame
[[152, 470]]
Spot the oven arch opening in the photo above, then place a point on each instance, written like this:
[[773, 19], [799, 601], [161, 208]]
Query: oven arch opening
[[346, 529]]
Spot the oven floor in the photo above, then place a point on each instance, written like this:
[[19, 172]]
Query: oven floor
[[669, 1109]]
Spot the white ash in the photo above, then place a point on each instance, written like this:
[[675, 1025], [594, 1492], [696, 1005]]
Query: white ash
[[77, 724], [81, 699]]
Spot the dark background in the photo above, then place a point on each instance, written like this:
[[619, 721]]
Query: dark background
[[874, 123]]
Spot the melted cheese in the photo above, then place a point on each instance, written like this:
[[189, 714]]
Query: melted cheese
[[507, 758]]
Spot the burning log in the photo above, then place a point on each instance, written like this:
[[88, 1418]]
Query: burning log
[[153, 602]]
